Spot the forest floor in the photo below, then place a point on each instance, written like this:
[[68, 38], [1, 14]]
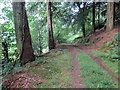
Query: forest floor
[[70, 66]]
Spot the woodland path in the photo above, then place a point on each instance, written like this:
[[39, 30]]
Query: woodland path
[[24, 79], [76, 69]]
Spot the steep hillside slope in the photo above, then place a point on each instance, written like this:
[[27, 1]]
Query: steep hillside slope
[[97, 39]]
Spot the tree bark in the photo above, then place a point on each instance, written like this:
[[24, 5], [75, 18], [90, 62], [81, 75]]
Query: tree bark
[[98, 15], [110, 16], [23, 37], [83, 24], [93, 18], [83, 12], [83, 29], [51, 42], [0, 42], [40, 44]]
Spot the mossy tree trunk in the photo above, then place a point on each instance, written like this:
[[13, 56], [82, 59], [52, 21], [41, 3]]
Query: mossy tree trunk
[[23, 37]]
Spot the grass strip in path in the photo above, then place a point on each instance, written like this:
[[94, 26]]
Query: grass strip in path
[[93, 76], [100, 63]]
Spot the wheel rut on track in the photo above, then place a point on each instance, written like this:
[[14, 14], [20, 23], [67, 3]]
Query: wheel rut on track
[[76, 69], [101, 64]]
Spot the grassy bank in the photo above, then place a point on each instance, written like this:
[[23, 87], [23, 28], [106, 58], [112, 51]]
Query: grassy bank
[[113, 65], [56, 71]]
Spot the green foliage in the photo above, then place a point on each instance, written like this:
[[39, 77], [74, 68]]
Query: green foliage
[[67, 20], [94, 77], [37, 23], [8, 33], [17, 68], [85, 41], [7, 67], [72, 38], [117, 13], [117, 37], [10, 67]]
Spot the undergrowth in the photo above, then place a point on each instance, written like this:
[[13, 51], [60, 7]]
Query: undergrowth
[[92, 75], [8, 68], [111, 48]]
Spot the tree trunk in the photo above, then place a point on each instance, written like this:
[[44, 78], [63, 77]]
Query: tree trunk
[[83, 24], [0, 42], [23, 37], [50, 29], [98, 15], [83, 29], [93, 18], [110, 16], [40, 44]]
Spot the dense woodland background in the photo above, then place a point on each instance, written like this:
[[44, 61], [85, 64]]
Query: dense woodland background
[[29, 30]]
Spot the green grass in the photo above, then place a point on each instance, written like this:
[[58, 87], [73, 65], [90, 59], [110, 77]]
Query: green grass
[[71, 38], [56, 71], [111, 65], [92, 75]]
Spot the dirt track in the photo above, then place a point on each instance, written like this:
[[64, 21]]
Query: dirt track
[[100, 63], [76, 68]]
